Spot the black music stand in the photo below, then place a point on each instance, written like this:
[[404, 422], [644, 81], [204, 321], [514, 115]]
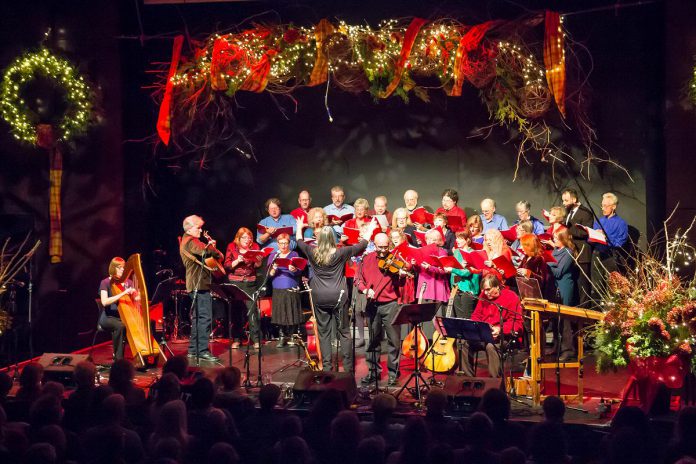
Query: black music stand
[[414, 315], [164, 290], [232, 292], [168, 288], [465, 329]]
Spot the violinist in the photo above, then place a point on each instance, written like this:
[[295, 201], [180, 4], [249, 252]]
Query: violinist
[[382, 289], [198, 279]]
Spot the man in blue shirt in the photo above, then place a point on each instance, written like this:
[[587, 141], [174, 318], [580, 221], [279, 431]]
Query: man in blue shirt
[[522, 208], [272, 222], [616, 231], [338, 208], [490, 219]]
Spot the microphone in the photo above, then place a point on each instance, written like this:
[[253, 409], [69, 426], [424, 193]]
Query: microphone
[[340, 296], [163, 272]]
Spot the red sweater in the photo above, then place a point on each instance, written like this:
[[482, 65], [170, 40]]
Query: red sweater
[[385, 284], [455, 211], [512, 314]]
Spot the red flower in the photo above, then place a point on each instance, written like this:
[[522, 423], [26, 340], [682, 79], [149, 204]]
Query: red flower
[[684, 348], [449, 45]]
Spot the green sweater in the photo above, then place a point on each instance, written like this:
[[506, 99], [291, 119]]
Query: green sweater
[[468, 281]]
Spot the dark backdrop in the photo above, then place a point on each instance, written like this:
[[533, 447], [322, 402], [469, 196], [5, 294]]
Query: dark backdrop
[[117, 199]]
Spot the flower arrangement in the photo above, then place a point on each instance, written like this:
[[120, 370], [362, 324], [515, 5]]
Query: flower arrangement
[[651, 309]]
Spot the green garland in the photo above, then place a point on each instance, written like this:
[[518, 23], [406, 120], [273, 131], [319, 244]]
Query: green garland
[[21, 118]]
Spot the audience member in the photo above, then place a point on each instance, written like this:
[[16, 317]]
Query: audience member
[[371, 450], [547, 444], [496, 405], [383, 406], [683, 443], [110, 441], [441, 429], [345, 437], [554, 409], [479, 436]]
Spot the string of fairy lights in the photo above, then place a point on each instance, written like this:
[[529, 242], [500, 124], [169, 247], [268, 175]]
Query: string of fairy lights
[[21, 118], [375, 51]]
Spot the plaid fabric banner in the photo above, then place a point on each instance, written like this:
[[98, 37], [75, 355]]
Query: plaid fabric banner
[[55, 175], [554, 58], [321, 64], [409, 39]]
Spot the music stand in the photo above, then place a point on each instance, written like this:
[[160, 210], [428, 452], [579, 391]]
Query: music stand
[[232, 292], [528, 288], [170, 288], [414, 315], [465, 329]]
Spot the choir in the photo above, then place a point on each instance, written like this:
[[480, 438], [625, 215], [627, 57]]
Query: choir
[[487, 259]]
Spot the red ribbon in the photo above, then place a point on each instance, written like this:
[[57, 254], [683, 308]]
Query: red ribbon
[[409, 39], [467, 43], [164, 128]]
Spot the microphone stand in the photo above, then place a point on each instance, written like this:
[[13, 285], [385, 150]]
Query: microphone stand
[[335, 355], [353, 302], [257, 314]]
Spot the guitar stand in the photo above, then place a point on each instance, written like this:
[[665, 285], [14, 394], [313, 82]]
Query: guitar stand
[[299, 362], [432, 381], [415, 376]]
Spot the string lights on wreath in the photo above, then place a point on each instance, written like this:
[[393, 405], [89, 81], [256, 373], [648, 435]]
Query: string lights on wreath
[[15, 110]]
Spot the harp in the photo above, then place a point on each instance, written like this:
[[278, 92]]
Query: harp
[[135, 315]]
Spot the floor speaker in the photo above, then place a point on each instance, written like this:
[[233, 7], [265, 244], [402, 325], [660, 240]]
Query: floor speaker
[[310, 384], [465, 393], [59, 367]]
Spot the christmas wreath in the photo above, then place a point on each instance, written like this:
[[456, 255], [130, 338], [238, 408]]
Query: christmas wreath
[[25, 120]]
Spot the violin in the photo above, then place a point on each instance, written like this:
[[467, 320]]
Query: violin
[[394, 264]]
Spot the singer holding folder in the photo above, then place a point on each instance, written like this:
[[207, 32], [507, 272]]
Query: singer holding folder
[[241, 271], [268, 229], [285, 281], [330, 290], [495, 303]]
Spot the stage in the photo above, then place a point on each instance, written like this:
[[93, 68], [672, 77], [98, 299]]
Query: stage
[[281, 366]]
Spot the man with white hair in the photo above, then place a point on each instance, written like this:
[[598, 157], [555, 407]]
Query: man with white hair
[[615, 229], [490, 219], [411, 200], [382, 290], [198, 278], [380, 208]]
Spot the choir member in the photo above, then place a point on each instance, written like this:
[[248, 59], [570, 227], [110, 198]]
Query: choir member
[[360, 207], [489, 218], [616, 231], [317, 219], [285, 281], [557, 216], [576, 213], [523, 228], [440, 220], [338, 208], [493, 247], [411, 200], [402, 220], [380, 205], [449, 207], [241, 272], [435, 278], [466, 281], [533, 266], [475, 227], [565, 273], [273, 222], [304, 200], [493, 297], [522, 208]]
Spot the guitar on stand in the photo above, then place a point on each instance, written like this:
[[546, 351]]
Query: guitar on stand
[[441, 356], [415, 344], [313, 348]]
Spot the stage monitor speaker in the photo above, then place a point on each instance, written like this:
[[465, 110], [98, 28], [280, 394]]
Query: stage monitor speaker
[[59, 367], [465, 393], [310, 384]]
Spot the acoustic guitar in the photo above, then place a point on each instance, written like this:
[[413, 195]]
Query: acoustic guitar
[[442, 357], [313, 347]]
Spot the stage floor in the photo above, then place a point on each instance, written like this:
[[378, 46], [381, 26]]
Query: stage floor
[[282, 365]]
